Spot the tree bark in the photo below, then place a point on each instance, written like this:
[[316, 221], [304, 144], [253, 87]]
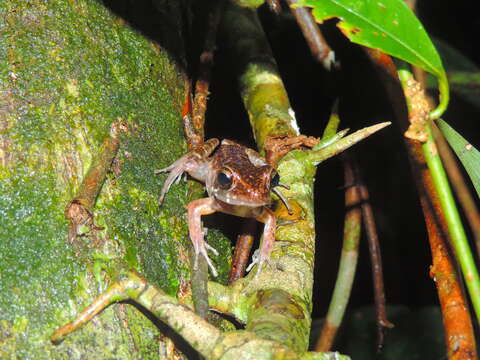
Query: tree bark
[[68, 71]]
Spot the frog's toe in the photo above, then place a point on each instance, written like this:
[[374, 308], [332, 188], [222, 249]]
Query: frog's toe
[[258, 259], [209, 262], [212, 249], [255, 260], [212, 268], [165, 169], [203, 251]]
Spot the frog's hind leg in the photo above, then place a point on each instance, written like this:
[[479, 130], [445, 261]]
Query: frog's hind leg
[[196, 209]]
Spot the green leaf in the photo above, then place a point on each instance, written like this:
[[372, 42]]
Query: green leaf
[[387, 25], [468, 155]]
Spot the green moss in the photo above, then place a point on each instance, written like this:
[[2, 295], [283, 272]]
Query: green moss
[[67, 71], [38, 270]]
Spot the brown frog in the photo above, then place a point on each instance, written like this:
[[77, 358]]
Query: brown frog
[[238, 182]]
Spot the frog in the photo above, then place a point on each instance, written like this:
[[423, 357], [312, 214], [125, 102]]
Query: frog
[[238, 181]]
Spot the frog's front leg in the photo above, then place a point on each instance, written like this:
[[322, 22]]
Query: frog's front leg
[[196, 209], [268, 218], [192, 162]]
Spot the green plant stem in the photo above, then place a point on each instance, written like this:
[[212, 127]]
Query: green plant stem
[[459, 184], [443, 87], [287, 283], [459, 336], [458, 238], [457, 234], [270, 113]]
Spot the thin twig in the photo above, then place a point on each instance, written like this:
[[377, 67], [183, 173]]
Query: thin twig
[[324, 153], [375, 258], [199, 277], [243, 246], [194, 125], [205, 70], [319, 47], [79, 210], [348, 260]]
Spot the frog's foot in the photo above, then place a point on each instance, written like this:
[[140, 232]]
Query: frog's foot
[[262, 255], [258, 259], [196, 209], [202, 249], [186, 163]]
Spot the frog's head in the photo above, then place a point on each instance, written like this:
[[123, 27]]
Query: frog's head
[[240, 176]]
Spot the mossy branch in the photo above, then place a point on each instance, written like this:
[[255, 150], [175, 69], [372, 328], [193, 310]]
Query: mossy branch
[[261, 86], [204, 337]]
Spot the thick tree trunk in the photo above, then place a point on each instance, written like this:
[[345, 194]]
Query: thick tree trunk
[[68, 70]]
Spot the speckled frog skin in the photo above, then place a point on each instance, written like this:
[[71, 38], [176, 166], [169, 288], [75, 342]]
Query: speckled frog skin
[[238, 182]]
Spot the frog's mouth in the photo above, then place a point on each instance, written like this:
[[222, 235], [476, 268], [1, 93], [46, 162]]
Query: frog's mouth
[[236, 201]]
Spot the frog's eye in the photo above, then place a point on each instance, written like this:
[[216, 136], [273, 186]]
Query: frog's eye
[[275, 181], [224, 180]]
